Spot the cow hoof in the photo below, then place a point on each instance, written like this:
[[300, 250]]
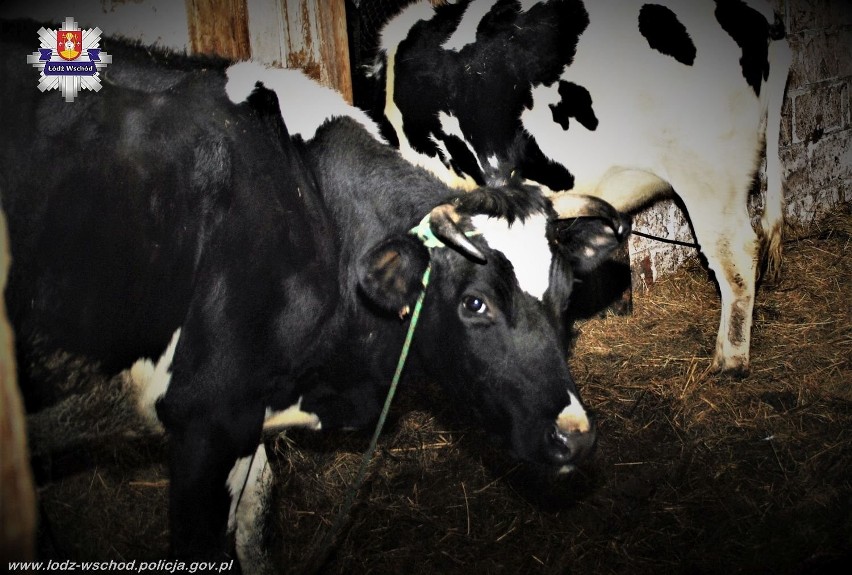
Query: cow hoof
[[732, 369]]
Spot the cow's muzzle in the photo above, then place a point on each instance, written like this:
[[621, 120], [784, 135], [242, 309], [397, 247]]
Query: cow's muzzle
[[567, 448]]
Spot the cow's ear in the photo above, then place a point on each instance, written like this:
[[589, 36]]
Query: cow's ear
[[390, 274], [587, 242]]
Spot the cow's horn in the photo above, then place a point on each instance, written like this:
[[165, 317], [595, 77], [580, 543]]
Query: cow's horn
[[444, 223]]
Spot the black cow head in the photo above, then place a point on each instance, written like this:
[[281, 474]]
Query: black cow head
[[492, 329]]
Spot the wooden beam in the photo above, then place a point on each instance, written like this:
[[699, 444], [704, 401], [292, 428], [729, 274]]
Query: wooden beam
[[17, 491], [219, 27], [316, 41], [306, 34], [336, 48]]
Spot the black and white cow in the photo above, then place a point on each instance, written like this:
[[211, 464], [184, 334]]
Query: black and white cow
[[244, 277], [626, 100]]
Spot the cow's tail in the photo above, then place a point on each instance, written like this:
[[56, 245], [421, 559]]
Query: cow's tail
[[772, 221]]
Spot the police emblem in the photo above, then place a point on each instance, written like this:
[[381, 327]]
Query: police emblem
[[69, 59]]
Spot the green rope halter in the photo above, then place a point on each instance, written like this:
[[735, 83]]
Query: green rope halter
[[423, 231]]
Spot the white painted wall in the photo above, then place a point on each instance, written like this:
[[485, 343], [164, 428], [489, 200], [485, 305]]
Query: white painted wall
[[154, 22]]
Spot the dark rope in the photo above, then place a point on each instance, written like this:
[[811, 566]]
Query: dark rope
[[666, 240]]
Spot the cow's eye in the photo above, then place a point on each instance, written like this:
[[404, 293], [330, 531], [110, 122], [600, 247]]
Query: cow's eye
[[475, 305]]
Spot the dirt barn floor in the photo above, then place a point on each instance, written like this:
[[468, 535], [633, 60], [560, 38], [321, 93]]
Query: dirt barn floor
[[694, 473]]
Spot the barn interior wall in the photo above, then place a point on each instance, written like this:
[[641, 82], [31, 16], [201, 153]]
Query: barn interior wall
[[154, 22], [816, 136], [817, 127], [816, 140]]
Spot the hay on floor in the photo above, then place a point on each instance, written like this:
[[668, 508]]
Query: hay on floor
[[694, 473]]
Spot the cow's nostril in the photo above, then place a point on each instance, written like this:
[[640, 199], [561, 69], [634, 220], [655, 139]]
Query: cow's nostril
[[559, 444], [569, 446]]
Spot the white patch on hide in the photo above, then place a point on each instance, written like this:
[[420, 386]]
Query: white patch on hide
[[573, 417], [305, 105], [396, 30], [249, 485], [465, 32], [525, 245], [293, 416], [151, 380], [450, 126]]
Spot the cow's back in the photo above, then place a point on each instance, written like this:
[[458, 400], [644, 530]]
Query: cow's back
[[667, 84], [126, 204], [105, 219]]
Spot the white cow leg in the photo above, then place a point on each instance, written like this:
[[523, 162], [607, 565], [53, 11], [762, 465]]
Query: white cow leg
[[731, 247], [250, 485]]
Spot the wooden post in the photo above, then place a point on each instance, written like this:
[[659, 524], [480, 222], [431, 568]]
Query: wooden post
[[219, 27], [306, 34], [17, 493]]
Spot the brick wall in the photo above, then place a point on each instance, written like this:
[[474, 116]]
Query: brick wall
[[816, 138], [817, 126]]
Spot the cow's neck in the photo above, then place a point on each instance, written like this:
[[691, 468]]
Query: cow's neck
[[360, 188]]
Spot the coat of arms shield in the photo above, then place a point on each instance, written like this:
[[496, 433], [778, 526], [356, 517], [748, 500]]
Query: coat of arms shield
[[69, 43]]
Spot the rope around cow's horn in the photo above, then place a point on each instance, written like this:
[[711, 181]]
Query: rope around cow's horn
[[320, 554]]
